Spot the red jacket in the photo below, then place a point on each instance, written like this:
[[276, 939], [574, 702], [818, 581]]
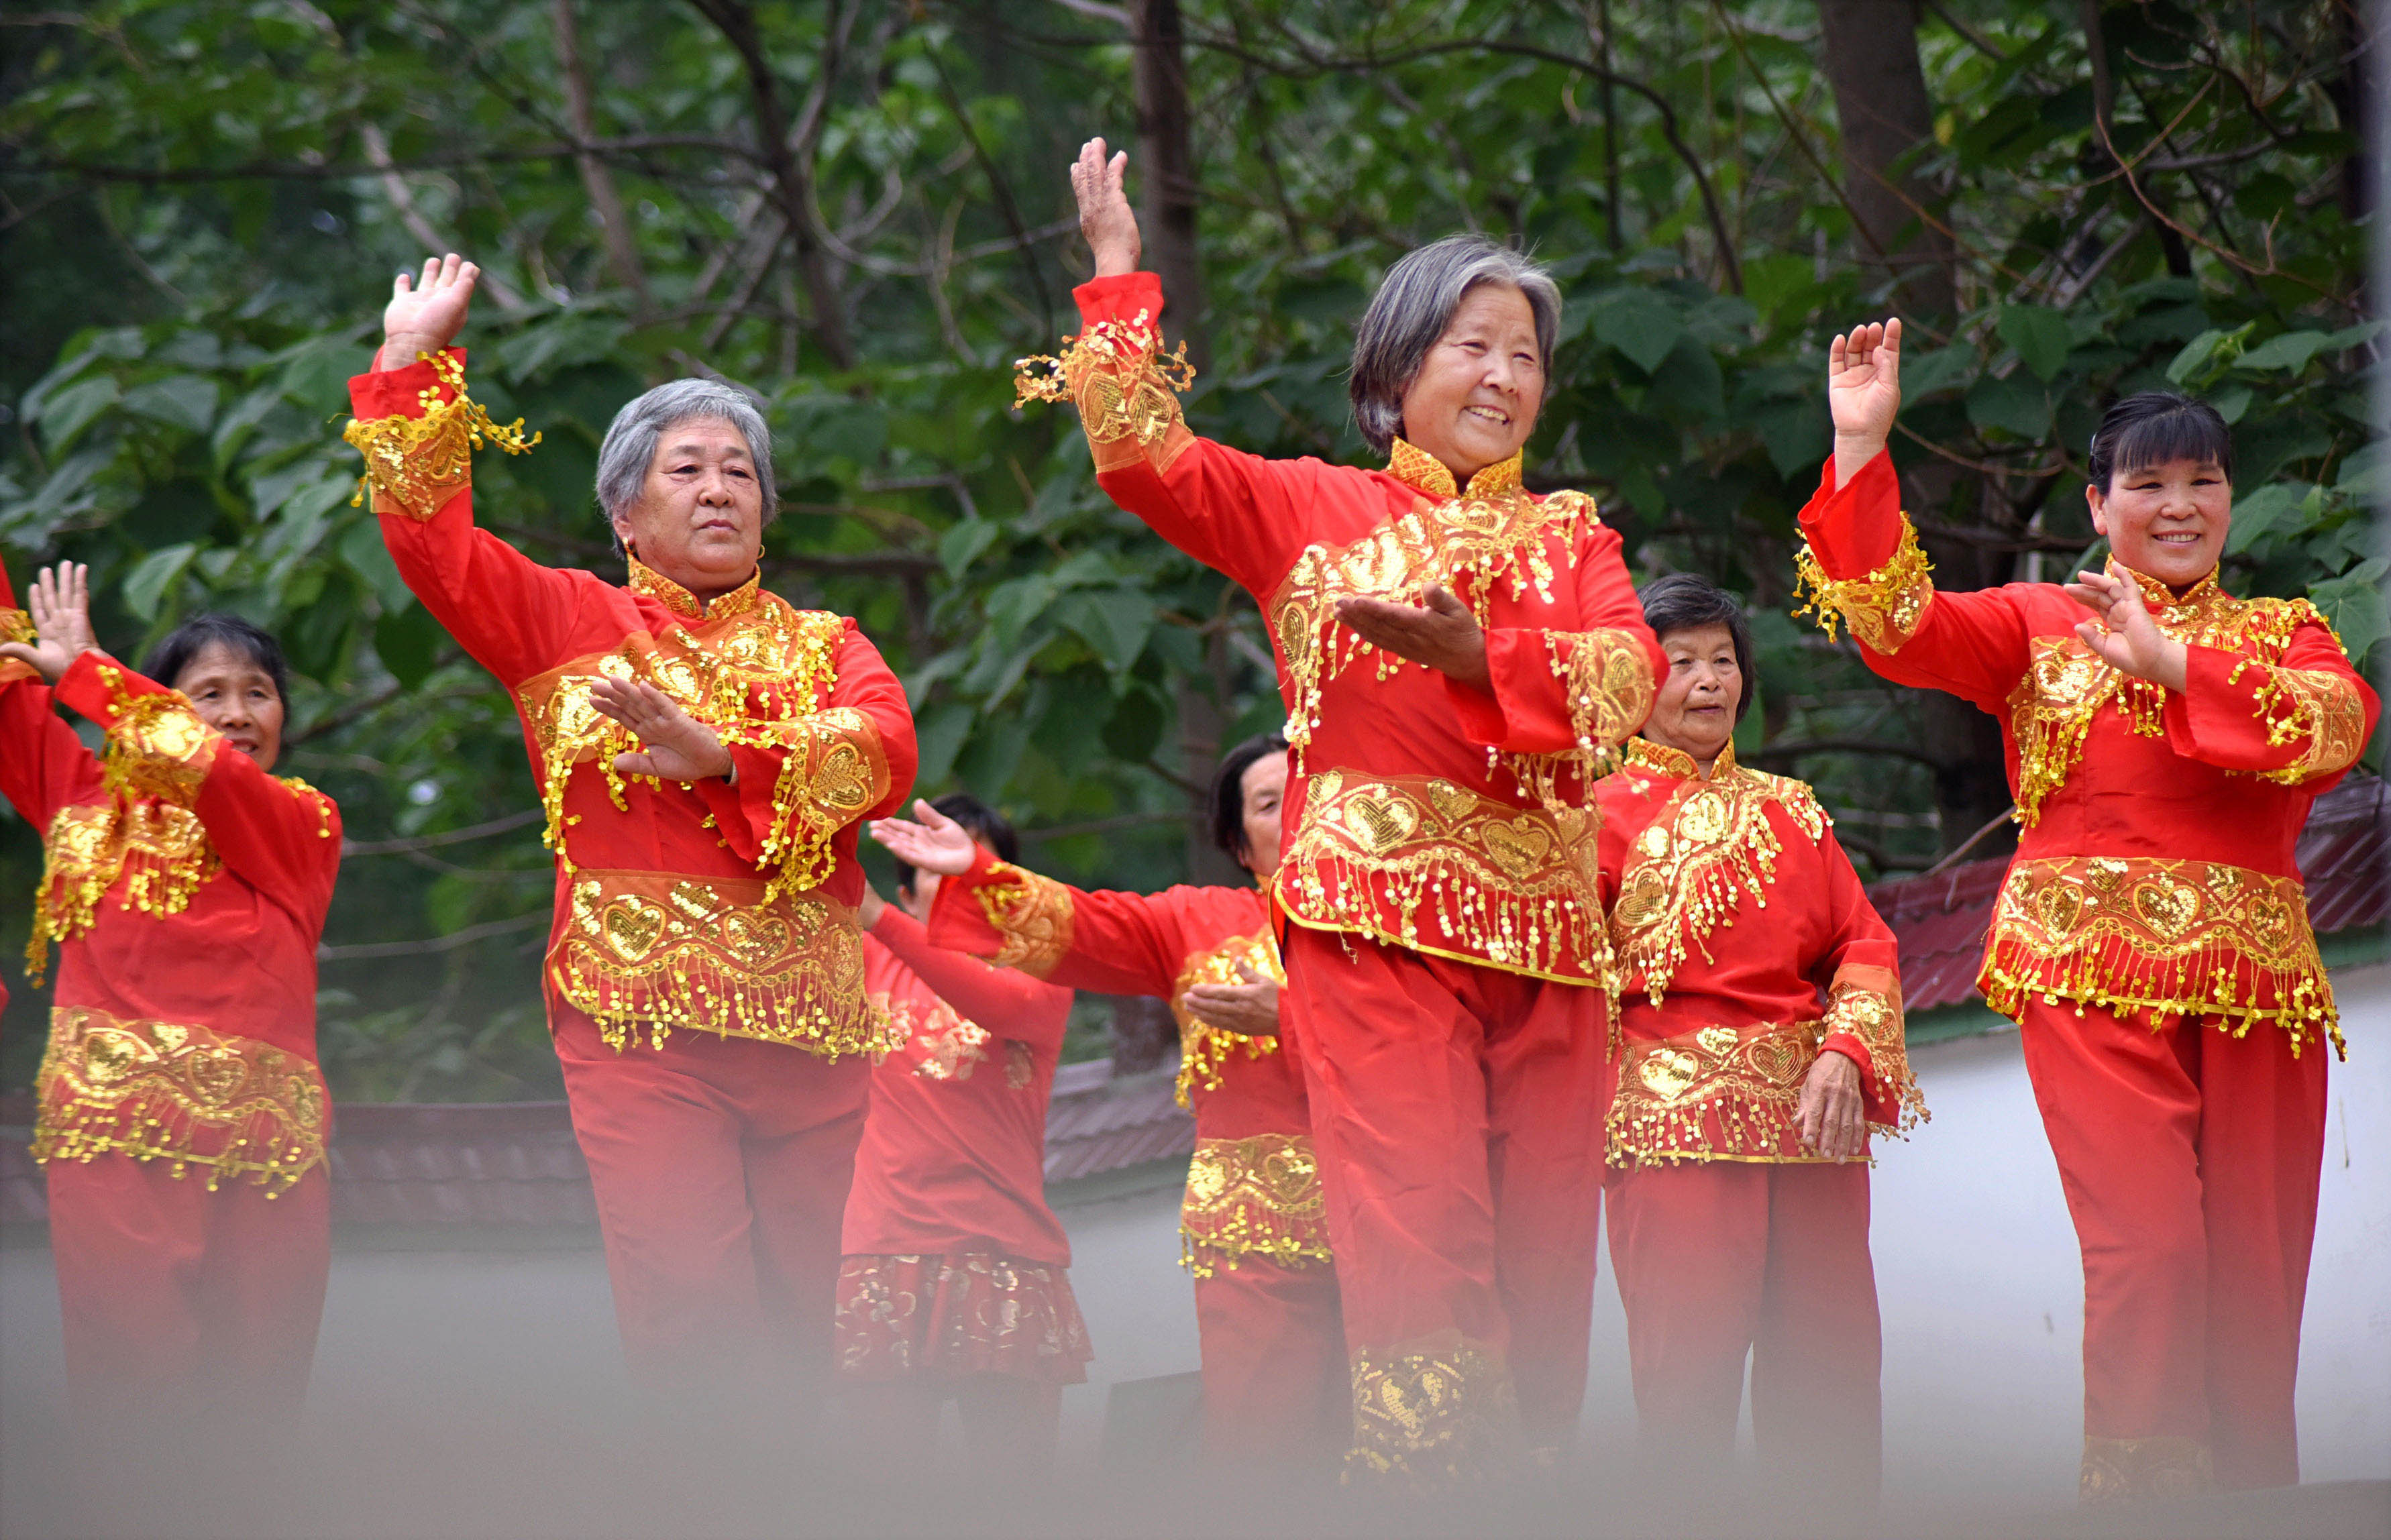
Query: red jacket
[[2155, 874], [719, 906], [1420, 812]]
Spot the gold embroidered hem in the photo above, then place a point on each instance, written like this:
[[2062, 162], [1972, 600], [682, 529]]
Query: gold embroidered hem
[[2121, 1468], [185, 1095], [158, 848], [2066, 684], [1031, 915], [1252, 1197], [1204, 1051], [710, 954], [744, 599], [2166, 938], [1438, 1413], [1720, 1093], [415, 465], [1125, 385], [1883, 607], [1517, 889]]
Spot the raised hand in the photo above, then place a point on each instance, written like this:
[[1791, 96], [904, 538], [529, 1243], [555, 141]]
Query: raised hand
[[2125, 635], [678, 746], [60, 606], [1863, 393], [1106, 218], [936, 844], [1442, 635], [1249, 1009], [426, 316], [1833, 1118]]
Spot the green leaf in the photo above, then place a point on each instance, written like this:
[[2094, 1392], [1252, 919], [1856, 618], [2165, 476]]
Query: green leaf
[[1640, 325], [2363, 471], [1134, 730], [316, 373], [964, 543], [407, 641], [1797, 436], [565, 338], [1939, 370], [68, 412], [2014, 405], [938, 734], [183, 401], [361, 546], [2354, 603], [2040, 336], [1116, 622], [2230, 402], [146, 583], [2291, 351], [2203, 350], [2261, 511]]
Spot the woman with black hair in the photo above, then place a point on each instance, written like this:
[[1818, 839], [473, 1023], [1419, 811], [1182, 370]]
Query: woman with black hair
[[182, 1118], [1251, 1231], [2165, 741]]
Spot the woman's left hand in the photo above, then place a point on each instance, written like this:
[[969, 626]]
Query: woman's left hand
[[1442, 635], [2125, 637], [1833, 1117], [678, 746]]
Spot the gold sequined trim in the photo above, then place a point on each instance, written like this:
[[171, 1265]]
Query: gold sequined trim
[[728, 956], [1417, 469], [1252, 1197], [157, 745], [158, 849], [1607, 678], [2121, 1468], [16, 626], [1883, 607], [1720, 1093], [1436, 1413], [1031, 915], [1864, 1001], [414, 465], [2315, 704], [1517, 889], [1125, 387], [2141, 936], [185, 1095], [1205, 1052], [744, 599]]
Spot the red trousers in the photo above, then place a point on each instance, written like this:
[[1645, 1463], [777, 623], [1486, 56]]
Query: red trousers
[[1457, 1113], [1729, 1260], [2190, 1159], [721, 1167], [1276, 1388], [186, 1309]]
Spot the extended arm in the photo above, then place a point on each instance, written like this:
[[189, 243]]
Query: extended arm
[[1004, 1000], [2301, 720], [1553, 691], [1113, 942]]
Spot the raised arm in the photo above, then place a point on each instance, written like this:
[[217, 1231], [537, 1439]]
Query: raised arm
[[418, 428], [43, 764]]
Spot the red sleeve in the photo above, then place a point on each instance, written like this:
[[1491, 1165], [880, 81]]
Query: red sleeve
[[43, 765], [1558, 690], [1237, 513], [804, 779], [2302, 720], [1111, 943], [512, 614], [1004, 1000], [1860, 971], [1863, 566], [282, 840]]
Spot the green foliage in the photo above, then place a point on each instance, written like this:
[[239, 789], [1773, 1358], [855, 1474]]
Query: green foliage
[[213, 197]]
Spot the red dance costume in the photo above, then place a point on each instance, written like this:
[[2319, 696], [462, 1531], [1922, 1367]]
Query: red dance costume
[[1251, 1231], [1746, 947], [1447, 947], [705, 975], [956, 1270], [181, 1118], [2152, 943]]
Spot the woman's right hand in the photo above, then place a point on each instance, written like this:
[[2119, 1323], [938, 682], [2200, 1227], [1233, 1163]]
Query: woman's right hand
[[936, 844], [426, 316], [60, 605], [1106, 219], [1863, 393]]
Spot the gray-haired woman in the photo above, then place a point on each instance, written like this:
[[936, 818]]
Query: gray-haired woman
[[1453, 652], [704, 753]]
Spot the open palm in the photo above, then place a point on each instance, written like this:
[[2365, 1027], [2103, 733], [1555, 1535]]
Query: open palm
[[60, 606], [1863, 381], [425, 315], [936, 844]]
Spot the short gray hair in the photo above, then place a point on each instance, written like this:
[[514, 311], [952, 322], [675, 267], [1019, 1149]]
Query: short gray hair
[[1415, 304], [631, 445]]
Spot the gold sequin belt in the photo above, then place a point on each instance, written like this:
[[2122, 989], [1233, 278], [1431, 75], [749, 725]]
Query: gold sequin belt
[[1252, 1197], [2154, 938], [715, 954], [1424, 863], [1720, 1093], [186, 1094]]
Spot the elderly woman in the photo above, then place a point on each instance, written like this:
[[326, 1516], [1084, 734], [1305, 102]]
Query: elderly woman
[[2151, 941], [703, 752], [181, 1115], [1452, 650], [1751, 1063]]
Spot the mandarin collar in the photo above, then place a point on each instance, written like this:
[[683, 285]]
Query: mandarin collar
[[1417, 469], [1662, 760], [680, 601], [2158, 596]]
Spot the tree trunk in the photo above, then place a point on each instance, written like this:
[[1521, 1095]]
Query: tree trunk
[[615, 224], [1167, 157], [1871, 57]]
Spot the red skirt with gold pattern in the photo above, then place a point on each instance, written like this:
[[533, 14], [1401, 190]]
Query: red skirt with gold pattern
[[974, 1313]]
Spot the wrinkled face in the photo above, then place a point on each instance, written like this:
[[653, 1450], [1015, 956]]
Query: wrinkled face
[[916, 900], [1475, 398], [1695, 710], [2166, 521], [237, 698], [1263, 787], [699, 519]]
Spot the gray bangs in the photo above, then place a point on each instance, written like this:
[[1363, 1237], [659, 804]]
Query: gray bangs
[[1411, 310], [630, 446]]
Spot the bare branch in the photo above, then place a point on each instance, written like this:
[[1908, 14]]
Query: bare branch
[[434, 842]]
